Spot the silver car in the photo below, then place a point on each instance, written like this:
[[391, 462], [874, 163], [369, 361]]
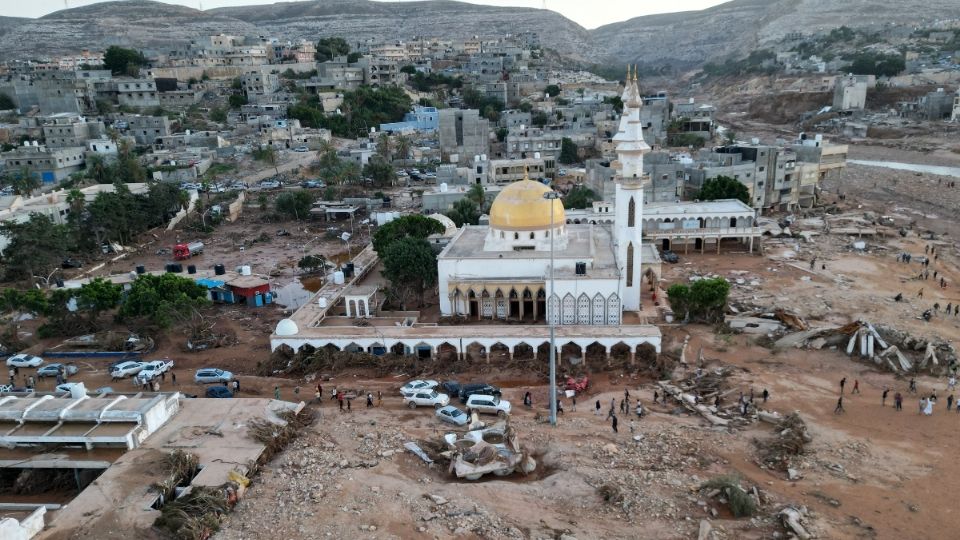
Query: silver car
[[212, 375], [51, 370], [453, 415]]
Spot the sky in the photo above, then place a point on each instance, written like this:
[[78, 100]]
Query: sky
[[588, 14]]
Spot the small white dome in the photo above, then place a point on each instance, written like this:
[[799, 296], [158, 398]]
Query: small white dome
[[286, 327]]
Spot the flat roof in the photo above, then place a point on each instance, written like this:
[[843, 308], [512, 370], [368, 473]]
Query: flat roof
[[695, 208], [584, 242]]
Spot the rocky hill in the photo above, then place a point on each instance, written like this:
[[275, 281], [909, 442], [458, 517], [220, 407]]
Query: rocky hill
[[734, 28], [683, 39]]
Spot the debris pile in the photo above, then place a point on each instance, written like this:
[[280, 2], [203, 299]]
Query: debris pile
[[886, 347], [726, 490], [276, 436], [792, 436], [698, 394], [494, 450]]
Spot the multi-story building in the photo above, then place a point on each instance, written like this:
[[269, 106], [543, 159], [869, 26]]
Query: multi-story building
[[69, 130], [463, 135], [51, 165], [138, 93], [180, 99], [421, 119], [535, 143], [850, 92], [146, 129]]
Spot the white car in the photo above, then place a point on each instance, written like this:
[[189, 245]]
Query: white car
[[488, 405], [24, 361], [269, 184], [426, 398], [301, 149], [153, 369], [453, 415], [67, 387], [416, 385], [212, 375], [126, 369]]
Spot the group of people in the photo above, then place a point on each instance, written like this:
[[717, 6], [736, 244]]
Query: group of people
[[926, 403]]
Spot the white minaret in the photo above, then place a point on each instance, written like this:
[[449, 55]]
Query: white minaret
[[629, 195]]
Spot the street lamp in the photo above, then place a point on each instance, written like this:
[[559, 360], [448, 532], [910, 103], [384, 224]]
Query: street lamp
[[551, 315]]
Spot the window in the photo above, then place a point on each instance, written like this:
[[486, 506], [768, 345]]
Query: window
[[501, 235], [516, 236], [630, 263], [531, 236], [762, 169], [631, 212]]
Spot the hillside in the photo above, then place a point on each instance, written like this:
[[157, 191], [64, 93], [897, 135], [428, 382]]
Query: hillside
[[692, 38], [686, 39], [356, 20]]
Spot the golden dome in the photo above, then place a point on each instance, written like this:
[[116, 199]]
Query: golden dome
[[521, 207]]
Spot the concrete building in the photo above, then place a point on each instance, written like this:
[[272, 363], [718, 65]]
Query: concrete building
[[696, 225], [463, 135], [138, 93], [955, 114], [442, 198], [421, 119], [70, 129], [51, 165], [257, 82], [180, 99], [507, 171], [514, 118], [535, 143], [850, 92], [937, 105], [146, 129]]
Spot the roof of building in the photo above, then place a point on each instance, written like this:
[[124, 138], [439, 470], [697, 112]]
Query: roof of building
[[247, 282], [521, 206], [696, 208]]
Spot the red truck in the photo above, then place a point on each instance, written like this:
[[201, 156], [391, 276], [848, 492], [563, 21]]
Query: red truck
[[185, 251]]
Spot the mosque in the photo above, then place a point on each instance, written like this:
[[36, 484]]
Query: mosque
[[502, 271]]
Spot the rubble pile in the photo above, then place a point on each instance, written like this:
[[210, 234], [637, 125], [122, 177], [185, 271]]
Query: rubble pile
[[791, 439], [698, 393], [896, 350]]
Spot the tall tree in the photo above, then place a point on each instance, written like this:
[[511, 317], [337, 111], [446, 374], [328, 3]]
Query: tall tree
[[23, 181], [295, 204], [380, 172], [162, 299], [723, 187], [568, 151], [464, 212], [411, 262], [403, 148], [36, 247], [385, 146], [409, 226], [121, 61]]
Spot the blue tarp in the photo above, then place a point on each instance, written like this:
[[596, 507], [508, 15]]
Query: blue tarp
[[211, 283]]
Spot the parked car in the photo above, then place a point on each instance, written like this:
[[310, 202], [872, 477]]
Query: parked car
[[416, 385], [312, 184], [468, 390], [488, 405], [301, 149], [126, 368], [218, 392], [71, 263], [237, 186], [212, 375], [669, 256], [453, 415], [51, 370], [24, 361], [153, 369], [104, 391], [451, 388], [426, 398], [269, 184]]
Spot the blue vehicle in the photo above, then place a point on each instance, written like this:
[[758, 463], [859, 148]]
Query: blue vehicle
[[219, 392]]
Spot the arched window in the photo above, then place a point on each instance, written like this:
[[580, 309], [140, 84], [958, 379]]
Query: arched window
[[501, 235], [630, 264], [531, 236], [631, 212], [516, 236]]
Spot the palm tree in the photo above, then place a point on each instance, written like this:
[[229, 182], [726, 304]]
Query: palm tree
[[98, 169], [403, 148], [24, 181], [385, 146]]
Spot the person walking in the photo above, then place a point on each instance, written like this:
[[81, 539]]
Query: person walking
[[898, 402], [843, 382], [598, 408], [622, 405], [856, 387], [320, 390], [30, 382], [334, 395], [766, 395], [379, 398], [276, 392], [922, 404], [913, 385], [952, 382], [656, 396], [883, 400], [626, 394], [920, 292], [348, 400], [573, 403], [339, 400], [949, 402], [559, 408], [839, 408], [613, 423], [369, 400], [173, 378], [236, 386], [632, 426]]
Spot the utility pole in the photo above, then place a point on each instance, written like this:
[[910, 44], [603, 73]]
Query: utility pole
[[552, 196]]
